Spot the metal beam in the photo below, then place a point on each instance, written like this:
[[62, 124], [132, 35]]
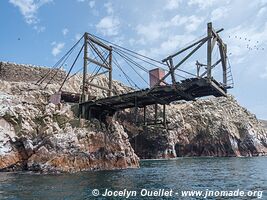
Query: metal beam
[[97, 63], [164, 116], [223, 58], [144, 115], [156, 113], [98, 86], [180, 63], [110, 72], [209, 50], [218, 89], [99, 54], [181, 51], [214, 65], [213, 43], [92, 77], [85, 59], [190, 46], [170, 65], [94, 40]]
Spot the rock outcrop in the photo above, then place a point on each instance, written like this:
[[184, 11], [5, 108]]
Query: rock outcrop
[[19, 72], [40, 136], [209, 127], [264, 122]]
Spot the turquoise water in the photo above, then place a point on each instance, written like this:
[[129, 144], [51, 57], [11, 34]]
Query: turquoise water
[[183, 174]]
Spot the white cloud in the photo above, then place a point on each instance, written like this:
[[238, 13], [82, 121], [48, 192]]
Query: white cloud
[[109, 8], [65, 31], [264, 74], [29, 9], [202, 4], [170, 45], [174, 42], [91, 4], [57, 48], [162, 29], [151, 31], [172, 4], [39, 29], [78, 36], [262, 11], [109, 26], [191, 22], [219, 13]]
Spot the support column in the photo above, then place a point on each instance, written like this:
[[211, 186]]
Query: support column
[[85, 59], [164, 116], [136, 120], [171, 67], [156, 113], [136, 110], [209, 50], [145, 115], [110, 72], [225, 66]]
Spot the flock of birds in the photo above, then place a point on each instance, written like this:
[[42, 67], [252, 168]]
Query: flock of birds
[[250, 44]]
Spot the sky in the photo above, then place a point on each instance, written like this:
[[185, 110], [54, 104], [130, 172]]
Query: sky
[[40, 32]]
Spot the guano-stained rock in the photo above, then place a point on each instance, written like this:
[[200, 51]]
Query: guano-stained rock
[[43, 137]]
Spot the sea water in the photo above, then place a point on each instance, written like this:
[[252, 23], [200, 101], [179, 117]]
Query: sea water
[[181, 178]]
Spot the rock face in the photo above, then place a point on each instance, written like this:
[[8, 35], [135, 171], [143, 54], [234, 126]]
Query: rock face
[[43, 137], [18, 72], [264, 122], [210, 127]]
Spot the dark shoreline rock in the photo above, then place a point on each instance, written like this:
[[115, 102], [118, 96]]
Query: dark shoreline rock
[[206, 127]]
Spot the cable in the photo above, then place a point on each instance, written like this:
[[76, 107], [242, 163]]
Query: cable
[[58, 69], [41, 80], [118, 46], [126, 76], [134, 70], [144, 69], [139, 58], [157, 65], [71, 67]]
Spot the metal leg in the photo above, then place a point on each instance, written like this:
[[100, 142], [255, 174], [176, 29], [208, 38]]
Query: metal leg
[[145, 115], [136, 110], [164, 116], [156, 113]]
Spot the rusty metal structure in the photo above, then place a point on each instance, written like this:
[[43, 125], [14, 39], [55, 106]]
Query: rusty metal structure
[[165, 90], [163, 94], [106, 63]]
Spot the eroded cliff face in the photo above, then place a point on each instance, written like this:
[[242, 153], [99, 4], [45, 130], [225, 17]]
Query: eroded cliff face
[[210, 127], [40, 136], [43, 137]]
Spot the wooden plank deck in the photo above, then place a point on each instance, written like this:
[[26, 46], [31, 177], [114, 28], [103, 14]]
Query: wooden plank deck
[[188, 89]]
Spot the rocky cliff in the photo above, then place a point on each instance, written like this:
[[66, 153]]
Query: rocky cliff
[[205, 127], [38, 136], [264, 122]]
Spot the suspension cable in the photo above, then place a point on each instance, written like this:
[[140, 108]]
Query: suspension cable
[[134, 69], [58, 70], [126, 76], [118, 46], [123, 52], [71, 67], [41, 80], [143, 68]]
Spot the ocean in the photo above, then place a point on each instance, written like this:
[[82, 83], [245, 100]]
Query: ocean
[[181, 178]]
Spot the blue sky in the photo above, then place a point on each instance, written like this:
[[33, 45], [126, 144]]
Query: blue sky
[[40, 31]]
